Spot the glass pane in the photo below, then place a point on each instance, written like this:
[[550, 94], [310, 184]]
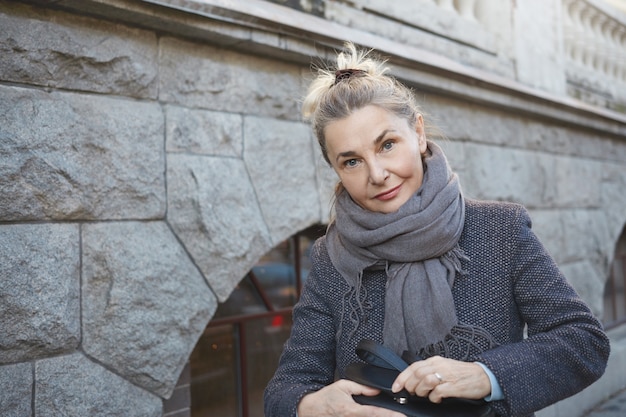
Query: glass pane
[[618, 281], [615, 289], [276, 274], [243, 300], [609, 308], [217, 377], [214, 374], [276, 271], [264, 344], [307, 239]]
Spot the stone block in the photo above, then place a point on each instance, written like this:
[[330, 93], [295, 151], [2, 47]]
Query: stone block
[[39, 290], [69, 156], [612, 382], [588, 283], [59, 50], [578, 241], [614, 199], [16, 386], [203, 132], [206, 77], [574, 235], [497, 173], [213, 209], [538, 45], [459, 121], [144, 302], [455, 154], [533, 178], [578, 182], [280, 160], [327, 180], [73, 385], [550, 411]]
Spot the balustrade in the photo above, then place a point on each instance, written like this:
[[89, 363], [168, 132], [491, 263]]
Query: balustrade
[[464, 8], [457, 20], [593, 41], [595, 50]]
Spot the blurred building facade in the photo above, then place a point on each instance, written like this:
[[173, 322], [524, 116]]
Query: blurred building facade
[[152, 157]]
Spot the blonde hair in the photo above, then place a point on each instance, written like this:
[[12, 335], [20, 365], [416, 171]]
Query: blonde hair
[[332, 96]]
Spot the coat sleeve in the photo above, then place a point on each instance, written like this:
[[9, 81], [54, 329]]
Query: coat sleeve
[[566, 348], [308, 360]]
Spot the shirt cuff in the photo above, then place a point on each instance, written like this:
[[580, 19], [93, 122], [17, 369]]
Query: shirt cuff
[[496, 390]]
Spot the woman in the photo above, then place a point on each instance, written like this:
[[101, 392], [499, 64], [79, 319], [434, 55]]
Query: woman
[[410, 263]]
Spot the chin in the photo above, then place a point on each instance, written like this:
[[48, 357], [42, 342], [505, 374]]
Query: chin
[[387, 209]]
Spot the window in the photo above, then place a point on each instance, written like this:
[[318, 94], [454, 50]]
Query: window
[[239, 350], [614, 291]]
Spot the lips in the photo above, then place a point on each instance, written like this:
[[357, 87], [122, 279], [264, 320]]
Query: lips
[[389, 194]]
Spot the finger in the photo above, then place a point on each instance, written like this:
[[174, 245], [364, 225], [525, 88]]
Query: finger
[[428, 384], [354, 388], [410, 377], [368, 391], [437, 394], [419, 378]]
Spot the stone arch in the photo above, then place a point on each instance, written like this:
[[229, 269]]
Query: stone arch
[[613, 203], [128, 217], [223, 214], [615, 282], [228, 212]]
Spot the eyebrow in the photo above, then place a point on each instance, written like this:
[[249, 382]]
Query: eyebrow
[[377, 141]]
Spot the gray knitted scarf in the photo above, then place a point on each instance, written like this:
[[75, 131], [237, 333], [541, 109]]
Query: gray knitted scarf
[[418, 248]]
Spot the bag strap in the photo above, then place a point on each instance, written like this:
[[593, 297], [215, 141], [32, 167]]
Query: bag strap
[[379, 355]]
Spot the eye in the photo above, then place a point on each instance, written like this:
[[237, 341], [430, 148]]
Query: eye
[[388, 145], [350, 163]]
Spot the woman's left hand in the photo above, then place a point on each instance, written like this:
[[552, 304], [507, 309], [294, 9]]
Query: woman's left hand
[[438, 378]]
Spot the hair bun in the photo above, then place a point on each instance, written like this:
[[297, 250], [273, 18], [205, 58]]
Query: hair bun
[[345, 74]]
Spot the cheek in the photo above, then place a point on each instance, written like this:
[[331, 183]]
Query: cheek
[[355, 185], [411, 166]]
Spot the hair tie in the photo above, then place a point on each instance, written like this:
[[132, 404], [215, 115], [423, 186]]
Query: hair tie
[[344, 74]]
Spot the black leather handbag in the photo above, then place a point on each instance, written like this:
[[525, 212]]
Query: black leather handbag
[[381, 368]]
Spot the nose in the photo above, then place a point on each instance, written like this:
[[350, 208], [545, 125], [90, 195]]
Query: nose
[[377, 173]]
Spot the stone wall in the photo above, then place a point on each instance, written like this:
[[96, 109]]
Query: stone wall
[[149, 156]]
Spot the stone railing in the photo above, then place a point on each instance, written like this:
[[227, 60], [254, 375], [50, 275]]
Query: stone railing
[[595, 52], [574, 47], [460, 20], [453, 28]]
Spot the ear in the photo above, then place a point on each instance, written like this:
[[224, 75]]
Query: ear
[[421, 134]]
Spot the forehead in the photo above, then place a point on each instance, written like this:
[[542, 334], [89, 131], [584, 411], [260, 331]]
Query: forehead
[[364, 126]]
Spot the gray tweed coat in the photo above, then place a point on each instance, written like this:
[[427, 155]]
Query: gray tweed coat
[[512, 283]]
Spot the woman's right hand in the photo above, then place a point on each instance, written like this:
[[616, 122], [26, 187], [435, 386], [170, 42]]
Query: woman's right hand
[[336, 400]]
